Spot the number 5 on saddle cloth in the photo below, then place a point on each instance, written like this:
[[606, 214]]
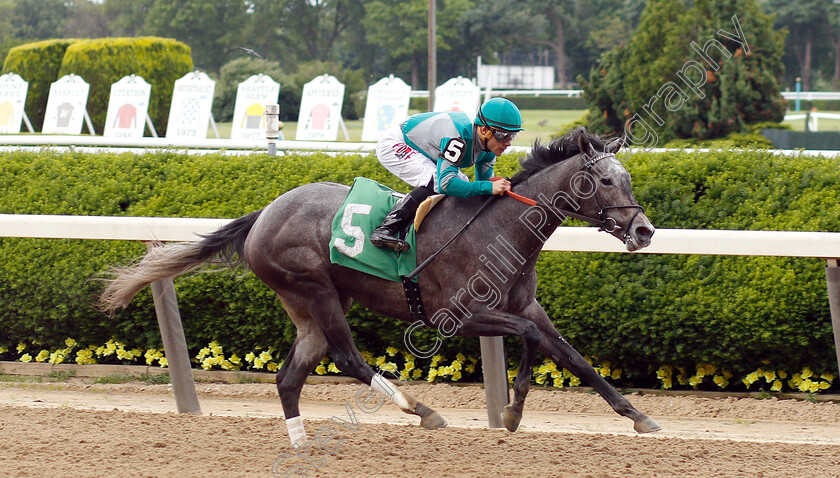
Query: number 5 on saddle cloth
[[367, 203]]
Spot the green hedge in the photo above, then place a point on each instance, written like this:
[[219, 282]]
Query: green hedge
[[100, 62], [638, 312], [39, 64], [104, 61]]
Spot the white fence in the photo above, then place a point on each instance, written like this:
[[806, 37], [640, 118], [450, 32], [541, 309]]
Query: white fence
[[812, 118], [94, 144], [823, 245]]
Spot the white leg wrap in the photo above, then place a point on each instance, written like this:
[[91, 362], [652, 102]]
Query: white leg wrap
[[296, 432], [383, 386]]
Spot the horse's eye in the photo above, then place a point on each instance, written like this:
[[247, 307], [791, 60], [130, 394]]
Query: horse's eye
[[606, 181]]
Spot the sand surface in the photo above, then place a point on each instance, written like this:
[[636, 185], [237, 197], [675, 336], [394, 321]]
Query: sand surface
[[77, 428]]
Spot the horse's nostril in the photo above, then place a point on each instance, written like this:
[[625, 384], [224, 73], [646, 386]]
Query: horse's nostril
[[644, 232]]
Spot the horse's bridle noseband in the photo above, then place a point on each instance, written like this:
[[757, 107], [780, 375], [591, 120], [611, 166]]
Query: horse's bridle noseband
[[604, 224], [609, 225]]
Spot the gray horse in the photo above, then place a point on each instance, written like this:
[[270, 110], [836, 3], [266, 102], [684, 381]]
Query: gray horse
[[483, 284]]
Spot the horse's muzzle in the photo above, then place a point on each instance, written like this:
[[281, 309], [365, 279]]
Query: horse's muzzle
[[639, 233]]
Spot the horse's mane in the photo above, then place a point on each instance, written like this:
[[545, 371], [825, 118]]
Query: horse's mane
[[555, 151]]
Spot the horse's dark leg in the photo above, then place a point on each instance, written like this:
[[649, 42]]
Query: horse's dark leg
[[512, 414], [505, 324], [309, 348], [326, 309], [556, 347]]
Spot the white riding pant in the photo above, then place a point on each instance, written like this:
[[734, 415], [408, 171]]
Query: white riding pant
[[405, 162]]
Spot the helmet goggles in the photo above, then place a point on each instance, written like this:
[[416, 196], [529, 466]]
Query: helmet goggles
[[504, 136]]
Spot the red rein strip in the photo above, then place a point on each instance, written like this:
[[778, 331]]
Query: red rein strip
[[518, 197]]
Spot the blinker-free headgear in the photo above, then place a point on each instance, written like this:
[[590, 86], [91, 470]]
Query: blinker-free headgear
[[499, 113]]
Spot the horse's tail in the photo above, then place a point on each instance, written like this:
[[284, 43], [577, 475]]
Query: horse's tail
[[223, 247]]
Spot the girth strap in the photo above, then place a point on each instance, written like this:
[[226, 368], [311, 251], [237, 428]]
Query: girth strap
[[415, 302]]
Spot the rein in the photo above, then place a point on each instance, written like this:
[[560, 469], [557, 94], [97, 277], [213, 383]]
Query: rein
[[607, 225], [595, 221]]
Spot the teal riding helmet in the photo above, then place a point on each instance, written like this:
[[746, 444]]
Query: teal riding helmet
[[499, 113]]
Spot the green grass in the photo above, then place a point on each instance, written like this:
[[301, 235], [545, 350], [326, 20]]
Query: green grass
[[538, 124], [822, 123], [54, 376], [125, 378]]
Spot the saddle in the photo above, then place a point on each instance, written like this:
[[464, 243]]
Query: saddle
[[366, 204]]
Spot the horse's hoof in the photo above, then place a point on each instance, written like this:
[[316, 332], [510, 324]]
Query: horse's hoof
[[646, 425], [432, 421], [511, 419]]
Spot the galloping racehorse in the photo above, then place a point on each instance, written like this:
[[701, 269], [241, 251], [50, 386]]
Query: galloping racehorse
[[483, 284]]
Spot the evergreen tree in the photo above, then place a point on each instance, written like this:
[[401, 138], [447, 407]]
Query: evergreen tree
[[744, 88], [649, 61], [701, 73], [604, 93]]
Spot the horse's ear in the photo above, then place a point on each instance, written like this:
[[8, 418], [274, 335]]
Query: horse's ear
[[584, 144], [616, 144]]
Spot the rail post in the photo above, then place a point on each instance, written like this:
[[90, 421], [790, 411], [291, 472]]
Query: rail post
[[832, 282], [174, 345], [495, 379]]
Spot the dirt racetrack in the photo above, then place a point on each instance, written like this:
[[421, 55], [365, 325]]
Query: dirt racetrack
[[77, 428]]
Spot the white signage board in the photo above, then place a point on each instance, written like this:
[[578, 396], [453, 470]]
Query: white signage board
[[128, 106], [12, 100], [189, 113], [387, 105], [320, 109], [249, 110], [66, 105], [458, 94]]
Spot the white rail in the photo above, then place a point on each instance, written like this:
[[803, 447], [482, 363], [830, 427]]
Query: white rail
[[94, 144], [824, 245], [811, 95]]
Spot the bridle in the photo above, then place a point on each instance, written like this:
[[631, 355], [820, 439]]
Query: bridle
[[606, 224]]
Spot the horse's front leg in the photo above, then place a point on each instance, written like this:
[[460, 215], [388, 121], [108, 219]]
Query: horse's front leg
[[563, 353], [506, 324], [555, 346]]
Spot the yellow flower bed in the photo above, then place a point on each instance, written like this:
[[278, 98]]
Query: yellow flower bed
[[403, 365]]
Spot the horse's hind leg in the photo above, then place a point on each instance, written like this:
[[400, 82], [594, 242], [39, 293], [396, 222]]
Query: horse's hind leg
[[329, 313], [309, 348]]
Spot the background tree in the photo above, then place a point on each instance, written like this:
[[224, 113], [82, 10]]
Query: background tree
[[38, 19], [212, 29], [313, 27], [86, 19], [650, 61], [400, 27], [833, 18], [740, 86], [575, 32], [805, 21], [126, 17], [746, 88]]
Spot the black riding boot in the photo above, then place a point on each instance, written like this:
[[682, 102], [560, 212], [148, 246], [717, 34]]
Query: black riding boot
[[387, 233]]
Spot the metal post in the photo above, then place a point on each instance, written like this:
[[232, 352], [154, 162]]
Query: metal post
[[495, 379], [272, 127], [175, 345], [832, 281], [798, 90]]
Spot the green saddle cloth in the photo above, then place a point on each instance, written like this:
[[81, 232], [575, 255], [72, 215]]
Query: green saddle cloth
[[362, 211]]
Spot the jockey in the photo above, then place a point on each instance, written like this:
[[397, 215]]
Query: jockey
[[428, 151]]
